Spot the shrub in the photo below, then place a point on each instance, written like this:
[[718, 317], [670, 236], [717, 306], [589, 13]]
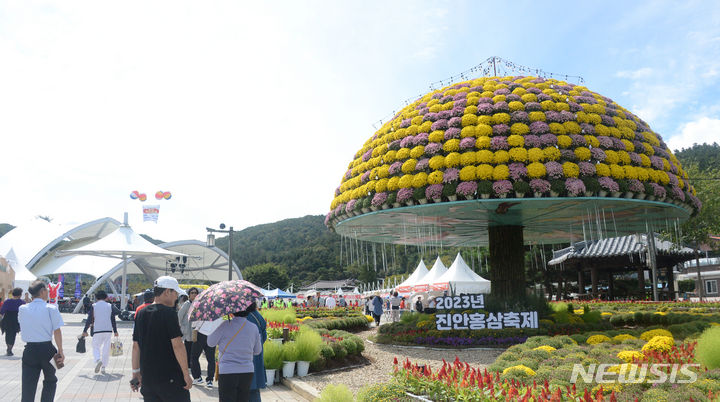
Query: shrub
[[272, 355], [622, 337], [326, 351], [335, 393], [520, 369], [579, 338], [595, 339], [707, 351], [308, 344], [647, 335], [349, 345], [659, 343], [654, 395], [339, 350], [382, 392], [591, 317]]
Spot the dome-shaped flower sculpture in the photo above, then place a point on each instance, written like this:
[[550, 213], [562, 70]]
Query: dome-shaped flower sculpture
[[524, 138]]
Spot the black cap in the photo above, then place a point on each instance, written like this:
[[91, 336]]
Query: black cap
[[148, 295]]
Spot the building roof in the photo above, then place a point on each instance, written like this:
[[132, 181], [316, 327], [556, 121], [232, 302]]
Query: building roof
[[629, 247], [332, 285]]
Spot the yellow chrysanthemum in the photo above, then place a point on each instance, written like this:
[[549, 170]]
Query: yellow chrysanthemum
[[570, 169], [468, 131], [557, 129], [484, 156], [501, 118], [545, 348], [408, 166], [419, 180], [501, 156], [564, 141], [516, 140], [483, 130], [435, 177], [617, 172], [518, 154], [393, 183], [582, 153], [484, 172], [521, 369], [405, 181], [437, 162], [630, 355], [659, 343], [452, 159], [519, 128], [417, 152], [469, 120], [551, 153], [468, 173], [468, 158], [536, 116], [482, 143], [602, 169], [595, 339], [451, 145], [437, 136], [622, 337], [536, 170], [501, 172], [647, 335]]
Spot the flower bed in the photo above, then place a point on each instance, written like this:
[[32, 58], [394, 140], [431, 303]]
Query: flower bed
[[348, 324], [324, 312]]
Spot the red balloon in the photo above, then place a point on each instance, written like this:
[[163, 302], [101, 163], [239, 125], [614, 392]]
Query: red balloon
[[167, 195], [159, 195], [142, 197]]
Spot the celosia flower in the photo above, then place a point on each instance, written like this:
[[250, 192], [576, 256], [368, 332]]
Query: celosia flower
[[502, 187], [608, 184], [574, 187], [467, 188]]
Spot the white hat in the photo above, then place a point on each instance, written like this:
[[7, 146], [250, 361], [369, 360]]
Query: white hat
[[168, 282]]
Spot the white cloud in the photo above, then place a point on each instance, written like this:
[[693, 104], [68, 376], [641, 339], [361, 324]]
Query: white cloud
[[702, 130], [635, 74]]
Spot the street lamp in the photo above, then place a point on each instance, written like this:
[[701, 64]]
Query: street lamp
[[211, 243]]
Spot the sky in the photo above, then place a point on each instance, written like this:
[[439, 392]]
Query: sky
[[249, 112]]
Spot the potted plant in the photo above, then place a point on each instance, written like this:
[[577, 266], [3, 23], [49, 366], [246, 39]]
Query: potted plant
[[521, 188], [419, 195], [272, 356], [574, 187], [539, 187], [450, 191], [591, 186], [557, 187], [434, 192], [289, 355], [307, 345], [378, 200], [637, 190], [485, 188], [624, 188], [607, 185], [392, 199], [404, 195], [467, 189], [275, 334], [366, 203]]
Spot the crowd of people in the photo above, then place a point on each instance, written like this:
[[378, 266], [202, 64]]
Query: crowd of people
[[394, 305]]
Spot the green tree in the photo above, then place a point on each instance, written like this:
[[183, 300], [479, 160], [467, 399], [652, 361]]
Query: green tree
[[263, 274]]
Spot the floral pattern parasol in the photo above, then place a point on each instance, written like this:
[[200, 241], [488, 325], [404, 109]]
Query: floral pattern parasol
[[224, 298]]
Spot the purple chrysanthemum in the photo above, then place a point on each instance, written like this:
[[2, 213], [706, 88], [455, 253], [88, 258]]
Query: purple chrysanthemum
[[367, 155], [365, 177], [404, 194], [533, 107], [501, 129], [451, 175], [519, 116], [422, 164], [587, 128], [574, 187], [405, 123], [608, 184], [432, 148], [452, 132], [605, 141], [658, 190], [539, 186], [518, 171], [532, 141], [501, 107], [444, 115], [466, 188], [497, 143], [350, 205], [548, 140], [467, 143], [440, 124], [635, 158], [677, 193], [656, 162], [501, 187], [607, 120], [586, 169], [635, 186], [598, 154], [395, 168], [430, 117], [420, 139], [578, 140], [407, 142], [554, 170], [433, 191], [539, 128], [379, 199]]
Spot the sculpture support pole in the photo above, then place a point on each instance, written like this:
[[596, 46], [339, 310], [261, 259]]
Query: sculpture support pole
[[594, 280], [507, 261]]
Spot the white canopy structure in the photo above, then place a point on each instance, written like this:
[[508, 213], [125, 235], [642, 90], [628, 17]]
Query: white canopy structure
[[23, 276], [407, 285], [437, 270], [459, 278], [275, 293]]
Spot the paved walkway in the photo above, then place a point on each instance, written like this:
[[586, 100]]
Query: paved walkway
[[77, 381]]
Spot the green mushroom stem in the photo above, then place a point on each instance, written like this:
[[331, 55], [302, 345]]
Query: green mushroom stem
[[507, 261]]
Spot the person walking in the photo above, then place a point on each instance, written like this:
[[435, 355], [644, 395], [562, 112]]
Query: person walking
[[419, 305], [259, 378], [159, 361], [184, 319], [238, 340], [377, 309], [40, 322], [101, 321], [395, 302], [9, 324], [199, 347]]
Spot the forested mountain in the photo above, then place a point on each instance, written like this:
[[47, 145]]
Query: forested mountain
[[705, 156]]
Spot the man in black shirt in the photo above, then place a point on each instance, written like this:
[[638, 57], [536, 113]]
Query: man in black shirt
[[159, 359]]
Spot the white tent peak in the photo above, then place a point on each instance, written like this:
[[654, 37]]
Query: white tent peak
[[419, 273], [21, 272], [463, 279], [437, 270], [123, 240]]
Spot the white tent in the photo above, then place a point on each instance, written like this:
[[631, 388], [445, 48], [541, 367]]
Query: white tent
[[459, 278], [123, 243], [23, 276], [407, 285], [437, 270]]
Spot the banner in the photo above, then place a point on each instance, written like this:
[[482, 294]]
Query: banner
[[78, 286], [61, 291], [150, 213]]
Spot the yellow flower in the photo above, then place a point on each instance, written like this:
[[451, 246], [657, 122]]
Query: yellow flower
[[501, 156], [582, 153], [557, 128], [564, 141], [468, 158], [595, 339], [393, 183], [402, 154], [623, 368], [536, 170], [408, 166], [419, 180], [602, 169], [467, 173], [484, 156], [483, 130], [631, 172], [624, 157], [468, 131], [516, 140], [629, 146], [545, 348], [592, 141], [406, 181], [648, 149], [435, 177], [518, 154], [617, 171], [572, 127], [417, 152], [659, 343], [519, 128], [484, 172], [501, 172], [436, 136], [630, 355], [482, 143], [529, 98], [469, 120], [381, 185], [498, 98], [452, 159], [501, 118], [437, 162], [451, 145], [622, 337], [536, 116], [551, 153], [520, 369], [647, 335], [383, 171], [535, 155], [570, 169]]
